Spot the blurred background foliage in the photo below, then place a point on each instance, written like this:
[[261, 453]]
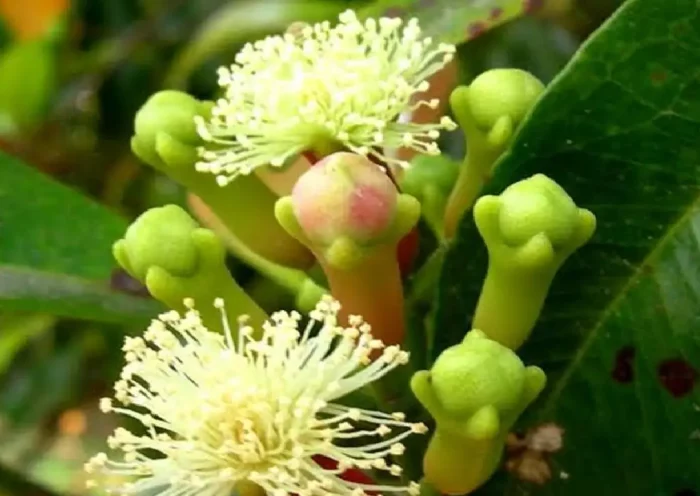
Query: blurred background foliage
[[72, 75]]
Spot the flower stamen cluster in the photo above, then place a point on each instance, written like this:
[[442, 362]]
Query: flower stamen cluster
[[221, 409], [324, 87]]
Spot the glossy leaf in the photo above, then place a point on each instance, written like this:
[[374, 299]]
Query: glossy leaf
[[450, 21], [48, 226], [620, 333], [30, 290], [55, 251]]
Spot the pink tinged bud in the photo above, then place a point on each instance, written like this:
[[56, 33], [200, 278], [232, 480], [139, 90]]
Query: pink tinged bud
[[344, 195]]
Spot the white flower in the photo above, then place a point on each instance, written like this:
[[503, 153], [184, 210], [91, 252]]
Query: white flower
[[219, 410], [323, 88]]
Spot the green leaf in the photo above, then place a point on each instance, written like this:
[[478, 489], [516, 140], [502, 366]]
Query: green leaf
[[55, 251], [619, 337], [450, 21], [47, 226], [28, 290]]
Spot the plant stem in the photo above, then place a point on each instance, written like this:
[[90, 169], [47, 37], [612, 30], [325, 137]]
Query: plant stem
[[372, 289]]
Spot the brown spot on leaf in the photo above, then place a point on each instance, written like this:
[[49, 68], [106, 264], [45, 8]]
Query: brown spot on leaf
[[686, 492], [677, 376], [528, 455], [476, 28], [658, 76], [495, 13], [623, 371]]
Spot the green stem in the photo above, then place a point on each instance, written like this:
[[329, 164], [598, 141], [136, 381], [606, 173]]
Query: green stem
[[204, 288], [473, 175], [510, 303], [458, 465]]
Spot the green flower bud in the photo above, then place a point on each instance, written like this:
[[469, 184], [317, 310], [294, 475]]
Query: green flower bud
[[537, 205], [170, 112], [161, 236], [177, 260], [529, 231], [489, 112], [438, 171], [478, 372], [503, 92], [475, 391], [166, 138]]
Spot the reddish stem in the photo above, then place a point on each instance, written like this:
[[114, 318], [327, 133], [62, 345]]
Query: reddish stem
[[373, 290]]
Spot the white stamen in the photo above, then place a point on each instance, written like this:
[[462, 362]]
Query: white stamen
[[220, 409], [343, 86]]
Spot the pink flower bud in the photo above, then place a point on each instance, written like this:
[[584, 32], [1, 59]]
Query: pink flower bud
[[344, 194]]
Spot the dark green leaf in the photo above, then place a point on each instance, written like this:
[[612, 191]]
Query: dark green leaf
[[23, 289], [47, 226], [55, 251], [620, 334], [451, 21]]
